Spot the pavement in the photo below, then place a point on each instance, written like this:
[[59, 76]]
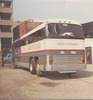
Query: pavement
[[20, 84]]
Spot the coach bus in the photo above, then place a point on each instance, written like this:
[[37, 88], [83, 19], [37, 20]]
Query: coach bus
[[55, 45]]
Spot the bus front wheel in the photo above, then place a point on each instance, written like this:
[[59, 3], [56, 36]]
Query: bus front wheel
[[32, 67]]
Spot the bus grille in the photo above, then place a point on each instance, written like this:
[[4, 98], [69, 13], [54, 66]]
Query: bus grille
[[66, 59]]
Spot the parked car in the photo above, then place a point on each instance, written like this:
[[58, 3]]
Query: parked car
[[8, 58]]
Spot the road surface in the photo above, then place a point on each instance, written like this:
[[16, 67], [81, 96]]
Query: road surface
[[19, 83]]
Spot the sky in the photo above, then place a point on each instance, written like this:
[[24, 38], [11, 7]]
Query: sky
[[79, 10]]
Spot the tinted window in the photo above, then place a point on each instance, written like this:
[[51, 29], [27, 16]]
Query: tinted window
[[57, 28], [19, 43], [36, 36], [64, 30], [50, 28]]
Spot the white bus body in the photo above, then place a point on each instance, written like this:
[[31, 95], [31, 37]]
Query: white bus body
[[57, 52]]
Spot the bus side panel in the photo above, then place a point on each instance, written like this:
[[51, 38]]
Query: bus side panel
[[23, 60], [23, 54]]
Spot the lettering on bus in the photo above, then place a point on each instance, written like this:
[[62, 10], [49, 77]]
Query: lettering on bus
[[31, 47], [34, 46], [67, 43]]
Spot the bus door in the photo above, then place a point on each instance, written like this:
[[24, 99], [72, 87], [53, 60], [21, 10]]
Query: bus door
[[88, 55]]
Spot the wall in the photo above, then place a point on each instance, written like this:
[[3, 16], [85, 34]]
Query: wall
[[15, 23], [6, 22], [0, 58], [16, 33], [0, 54], [88, 27], [89, 43]]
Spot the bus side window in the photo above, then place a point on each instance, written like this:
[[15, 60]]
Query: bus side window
[[30, 39], [26, 42], [34, 37], [41, 34], [38, 35]]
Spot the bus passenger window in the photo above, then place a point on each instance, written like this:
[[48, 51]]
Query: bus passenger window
[[39, 35], [50, 28], [57, 29], [26, 42]]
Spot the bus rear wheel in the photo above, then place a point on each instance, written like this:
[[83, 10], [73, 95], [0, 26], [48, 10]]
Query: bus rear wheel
[[38, 71], [14, 65], [32, 67]]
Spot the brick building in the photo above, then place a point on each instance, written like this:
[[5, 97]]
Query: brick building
[[16, 23], [6, 22]]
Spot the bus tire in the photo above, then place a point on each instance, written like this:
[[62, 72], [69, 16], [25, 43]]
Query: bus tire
[[14, 66], [32, 66], [38, 71], [71, 73]]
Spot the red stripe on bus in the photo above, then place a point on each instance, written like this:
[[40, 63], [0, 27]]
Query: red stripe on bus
[[19, 50], [50, 51]]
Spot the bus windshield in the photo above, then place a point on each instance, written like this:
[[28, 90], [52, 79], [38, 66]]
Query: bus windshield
[[64, 30]]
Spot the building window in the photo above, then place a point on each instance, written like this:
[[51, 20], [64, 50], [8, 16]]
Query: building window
[[3, 4]]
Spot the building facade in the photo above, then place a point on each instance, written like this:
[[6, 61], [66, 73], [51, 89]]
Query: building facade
[[6, 23], [88, 31]]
